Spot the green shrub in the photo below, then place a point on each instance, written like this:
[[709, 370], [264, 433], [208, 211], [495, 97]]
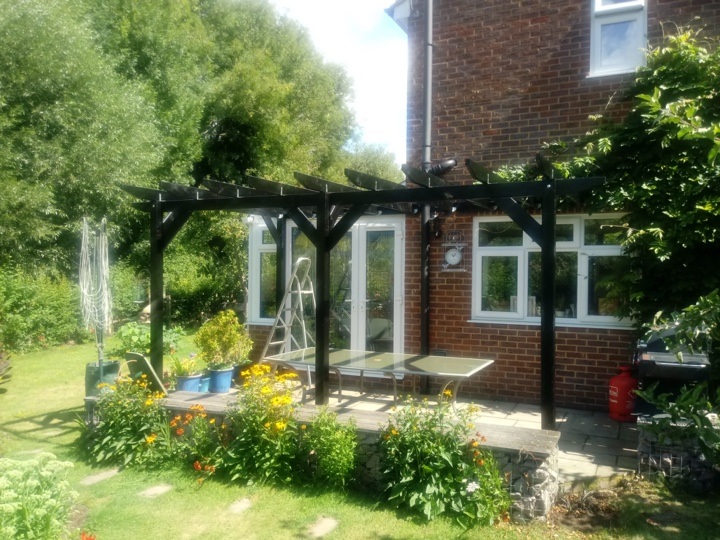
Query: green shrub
[[124, 286], [264, 439], [688, 418], [35, 498], [38, 311], [327, 450], [135, 337], [133, 427], [433, 467], [223, 341]]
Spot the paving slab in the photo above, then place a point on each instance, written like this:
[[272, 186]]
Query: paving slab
[[322, 527], [98, 477], [240, 506], [156, 491]]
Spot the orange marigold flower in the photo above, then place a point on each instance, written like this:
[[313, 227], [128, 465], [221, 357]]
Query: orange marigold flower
[[179, 431], [86, 536], [197, 466], [481, 462]]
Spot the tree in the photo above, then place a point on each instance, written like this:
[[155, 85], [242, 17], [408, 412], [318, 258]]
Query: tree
[[71, 130]]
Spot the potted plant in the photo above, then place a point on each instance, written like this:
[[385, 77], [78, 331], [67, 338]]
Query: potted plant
[[187, 375], [223, 343]]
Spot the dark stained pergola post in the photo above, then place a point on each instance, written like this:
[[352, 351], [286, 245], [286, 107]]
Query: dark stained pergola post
[[547, 317], [157, 308], [322, 308]]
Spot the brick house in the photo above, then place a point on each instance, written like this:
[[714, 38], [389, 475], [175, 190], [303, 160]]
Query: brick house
[[508, 75]]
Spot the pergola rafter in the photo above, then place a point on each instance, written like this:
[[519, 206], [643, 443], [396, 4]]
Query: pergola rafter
[[324, 211]]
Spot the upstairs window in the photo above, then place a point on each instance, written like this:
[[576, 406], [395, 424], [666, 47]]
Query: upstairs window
[[618, 36]]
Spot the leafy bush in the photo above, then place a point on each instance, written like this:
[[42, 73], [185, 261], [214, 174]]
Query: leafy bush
[[36, 498], [124, 286], [133, 427], [689, 418], [433, 467], [135, 337], [223, 341], [264, 438], [38, 311], [327, 450]]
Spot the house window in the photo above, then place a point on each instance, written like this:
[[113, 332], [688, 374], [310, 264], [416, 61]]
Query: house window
[[507, 271], [617, 36], [262, 275]]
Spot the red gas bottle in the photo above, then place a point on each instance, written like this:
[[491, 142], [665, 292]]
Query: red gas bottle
[[622, 395]]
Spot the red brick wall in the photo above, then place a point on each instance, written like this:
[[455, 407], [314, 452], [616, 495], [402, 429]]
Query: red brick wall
[[510, 75]]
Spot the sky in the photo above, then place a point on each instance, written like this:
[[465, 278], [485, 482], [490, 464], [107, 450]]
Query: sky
[[360, 36]]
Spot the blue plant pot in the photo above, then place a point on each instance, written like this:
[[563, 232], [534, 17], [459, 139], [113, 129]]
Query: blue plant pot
[[205, 383], [190, 383], [220, 380]]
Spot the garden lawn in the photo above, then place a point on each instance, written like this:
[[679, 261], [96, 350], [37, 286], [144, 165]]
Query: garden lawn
[[40, 408]]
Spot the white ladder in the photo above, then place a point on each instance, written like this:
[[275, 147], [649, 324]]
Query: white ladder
[[291, 313]]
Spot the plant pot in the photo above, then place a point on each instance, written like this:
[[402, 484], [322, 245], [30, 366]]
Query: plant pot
[[205, 383], [92, 376], [188, 383], [220, 380]]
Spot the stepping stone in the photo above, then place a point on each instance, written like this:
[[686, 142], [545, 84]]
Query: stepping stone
[[99, 477], [240, 506], [156, 491], [324, 525]]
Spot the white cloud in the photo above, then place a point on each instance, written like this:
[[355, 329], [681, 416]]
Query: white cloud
[[360, 36]]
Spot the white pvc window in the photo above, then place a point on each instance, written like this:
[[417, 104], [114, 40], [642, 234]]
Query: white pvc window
[[618, 36], [262, 270], [507, 271]]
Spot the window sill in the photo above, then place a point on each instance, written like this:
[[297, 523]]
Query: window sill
[[600, 74], [624, 324]]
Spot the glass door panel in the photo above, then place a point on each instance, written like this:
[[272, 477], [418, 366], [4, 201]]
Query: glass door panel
[[379, 290]]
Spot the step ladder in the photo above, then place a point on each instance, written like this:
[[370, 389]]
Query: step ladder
[[289, 331]]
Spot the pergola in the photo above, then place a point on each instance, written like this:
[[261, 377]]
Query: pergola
[[336, 208]]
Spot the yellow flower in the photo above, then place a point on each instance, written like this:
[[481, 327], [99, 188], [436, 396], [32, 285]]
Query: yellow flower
[[447, 393], [394, 431], [149, 401], [280, 425], [265, 390], [267, 425], [303, 427], [212, 420], [150, 438], [475, 444]]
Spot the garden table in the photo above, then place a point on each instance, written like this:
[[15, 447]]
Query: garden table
[[384, 364]]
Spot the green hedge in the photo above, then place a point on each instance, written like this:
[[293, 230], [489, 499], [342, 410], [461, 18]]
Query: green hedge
[[38, 311]]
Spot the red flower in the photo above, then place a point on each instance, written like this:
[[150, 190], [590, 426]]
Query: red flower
[[197, 466], [179, 431], [86, 536]]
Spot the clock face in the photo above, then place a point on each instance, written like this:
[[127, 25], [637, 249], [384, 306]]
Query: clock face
[[453, 256]]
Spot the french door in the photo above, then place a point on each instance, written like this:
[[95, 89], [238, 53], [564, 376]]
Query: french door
[[366, 284]]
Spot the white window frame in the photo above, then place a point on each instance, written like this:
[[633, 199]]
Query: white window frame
[[519, 316], [628, 11], [256, 248]]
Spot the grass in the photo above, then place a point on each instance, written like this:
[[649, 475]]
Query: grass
[[40, 408]]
